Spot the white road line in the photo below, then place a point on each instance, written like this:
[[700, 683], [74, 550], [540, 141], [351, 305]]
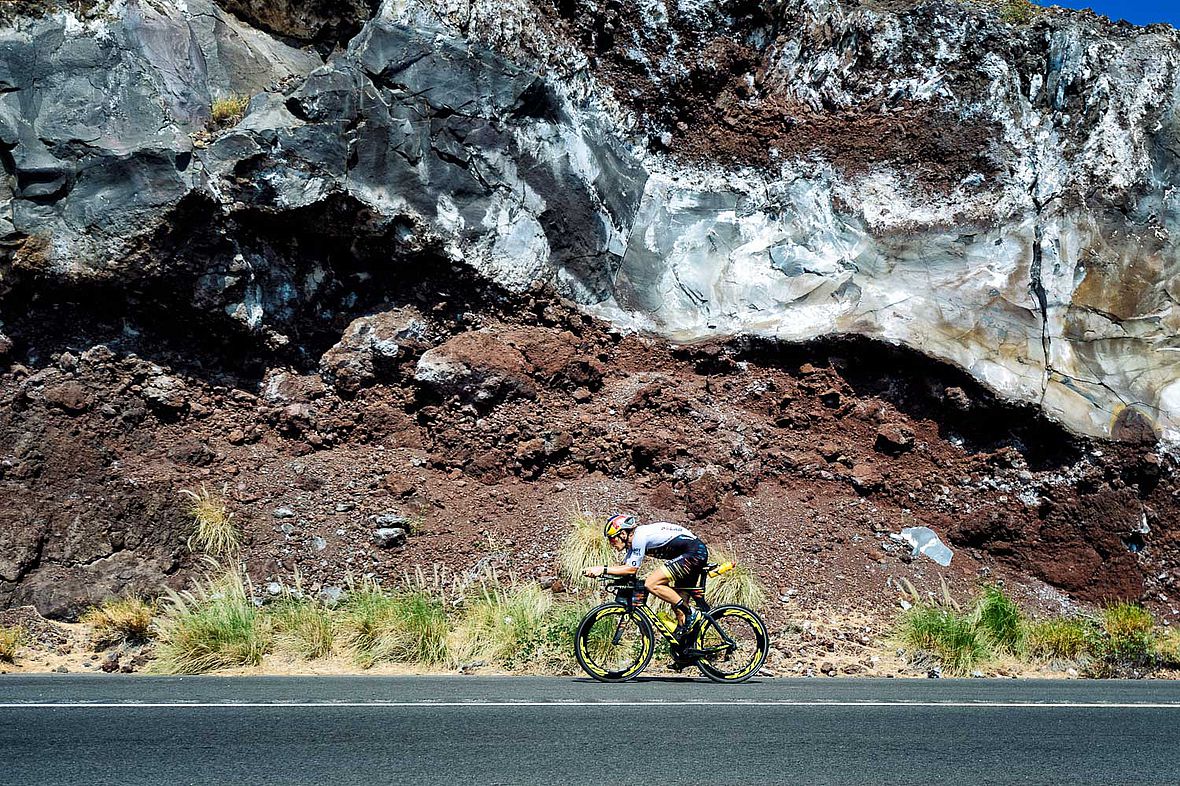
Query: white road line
[[656, 704]]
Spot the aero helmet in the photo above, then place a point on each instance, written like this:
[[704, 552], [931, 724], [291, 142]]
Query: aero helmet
[[616, 524]]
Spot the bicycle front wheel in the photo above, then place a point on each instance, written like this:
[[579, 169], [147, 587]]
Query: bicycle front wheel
[[733, 642], [613, 644]]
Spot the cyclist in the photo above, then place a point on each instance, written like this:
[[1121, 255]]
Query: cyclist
[[686, 556]]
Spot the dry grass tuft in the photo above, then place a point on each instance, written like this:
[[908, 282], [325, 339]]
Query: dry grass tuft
[[228, 110], [739, 585], [582, 547], [121, 620], [1129, 637], [1058, 638], [216, 533], [302, 627], [519, 628], [1014, 12], [1167, 649], [11, 639]]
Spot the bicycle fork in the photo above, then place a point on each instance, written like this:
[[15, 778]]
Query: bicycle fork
[[618, 637]]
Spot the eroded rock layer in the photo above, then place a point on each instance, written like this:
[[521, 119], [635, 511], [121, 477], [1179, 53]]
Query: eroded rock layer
[[994, 196], [422, 254]]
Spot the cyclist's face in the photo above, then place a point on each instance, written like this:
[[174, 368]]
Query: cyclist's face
[[616, 541]]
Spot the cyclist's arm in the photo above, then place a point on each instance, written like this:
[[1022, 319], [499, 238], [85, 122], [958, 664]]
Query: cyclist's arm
[[633, 559], [629, 567]]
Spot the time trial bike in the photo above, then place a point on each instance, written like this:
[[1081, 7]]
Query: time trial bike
[[616, 640]]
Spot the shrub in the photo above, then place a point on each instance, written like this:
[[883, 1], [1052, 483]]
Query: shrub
[[949, 636], [1014, 12], [301, 627], [1017, 12], [404, 627], [228, 110], [1167, 649], [1128, 642], [217, 625], [553, 649], [498, 626], [582, 547], [738, 585], [1058, 637], [121, 620], [998, 619], [11, 639], [216, 533], [519, 628]]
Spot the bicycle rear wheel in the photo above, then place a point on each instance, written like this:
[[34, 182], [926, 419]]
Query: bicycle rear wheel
[[612, 644], [733, 642]]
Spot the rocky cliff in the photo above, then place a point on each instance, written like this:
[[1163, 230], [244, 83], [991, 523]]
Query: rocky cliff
[[493, 188]]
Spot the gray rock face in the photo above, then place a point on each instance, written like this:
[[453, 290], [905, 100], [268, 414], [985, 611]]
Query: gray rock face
[[1021, 226], [96, 116]]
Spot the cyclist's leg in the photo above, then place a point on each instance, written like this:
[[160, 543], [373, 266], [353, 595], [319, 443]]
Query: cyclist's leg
[[685, 570], [659, 583]]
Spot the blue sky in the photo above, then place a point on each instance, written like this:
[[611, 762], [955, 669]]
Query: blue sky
[[1141, 12]]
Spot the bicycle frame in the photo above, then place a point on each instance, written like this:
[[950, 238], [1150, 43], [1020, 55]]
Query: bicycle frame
[[625, 594]]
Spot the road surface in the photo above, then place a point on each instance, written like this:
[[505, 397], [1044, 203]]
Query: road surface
[[91, 729]]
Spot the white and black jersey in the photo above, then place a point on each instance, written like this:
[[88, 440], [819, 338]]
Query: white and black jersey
[[661, 539]]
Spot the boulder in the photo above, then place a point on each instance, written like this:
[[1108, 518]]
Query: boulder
[[166, 395], [389, 537], [894, 439], [386, 520], [478, 368], [704, 495], [370, 348], [69, 396], [325, 23]]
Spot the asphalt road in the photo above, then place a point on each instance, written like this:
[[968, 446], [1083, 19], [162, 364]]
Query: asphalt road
[[75, 729]]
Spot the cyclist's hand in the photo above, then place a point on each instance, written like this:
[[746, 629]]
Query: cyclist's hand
[[595, 571]]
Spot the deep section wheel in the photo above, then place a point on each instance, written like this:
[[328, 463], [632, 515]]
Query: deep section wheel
[[733, 643], [613, 645]]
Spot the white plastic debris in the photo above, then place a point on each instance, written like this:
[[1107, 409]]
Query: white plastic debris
[[924, 540]]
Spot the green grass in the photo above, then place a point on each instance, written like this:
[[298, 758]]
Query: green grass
[[1059, 638], [400, 627], [1167, 649], [999, 620], [121, 620], [302, 627], [215, 626], [496, 624], [583, 546], [1128, 642], [1122, 641], [1014, 12], [11, 638], [951, 637], [552, 648], [739, 585], [215, 532], [228, 110], [518, 628]]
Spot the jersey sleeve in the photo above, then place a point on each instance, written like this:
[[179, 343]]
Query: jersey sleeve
[[636, 552]]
